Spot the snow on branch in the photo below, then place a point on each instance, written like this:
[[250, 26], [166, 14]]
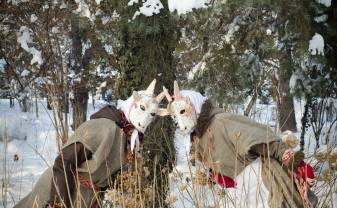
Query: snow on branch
[[149, 7], [183, 7], [316, 45], [326, 3], [24, 38]]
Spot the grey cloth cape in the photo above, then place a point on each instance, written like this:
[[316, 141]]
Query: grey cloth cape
[[107, 143], [223, 142]]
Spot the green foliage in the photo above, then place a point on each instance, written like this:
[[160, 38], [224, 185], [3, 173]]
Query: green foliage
[[144, 50]]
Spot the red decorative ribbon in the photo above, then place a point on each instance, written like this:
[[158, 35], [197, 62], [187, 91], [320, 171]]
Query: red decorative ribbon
[[223, 181], [289, 153]]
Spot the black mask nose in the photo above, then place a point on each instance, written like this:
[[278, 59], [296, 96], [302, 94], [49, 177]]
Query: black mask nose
[[185, 127], [139, 124]]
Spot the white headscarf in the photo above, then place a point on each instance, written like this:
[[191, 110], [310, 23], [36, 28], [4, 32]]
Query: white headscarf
[[196, 99]]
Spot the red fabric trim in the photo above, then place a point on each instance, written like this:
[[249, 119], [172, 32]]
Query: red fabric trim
[[87, 184], [223, 181], [306, 172]]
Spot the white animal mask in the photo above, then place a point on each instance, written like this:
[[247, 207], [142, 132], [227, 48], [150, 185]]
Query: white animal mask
[[140, 109], [182, 110], [144, 107]]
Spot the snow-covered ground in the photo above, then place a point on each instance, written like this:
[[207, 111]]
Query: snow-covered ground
[[32, 139]]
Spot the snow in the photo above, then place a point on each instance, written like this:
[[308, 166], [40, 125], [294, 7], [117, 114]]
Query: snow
[[149, 8], [108, 49], [55, 29], [25, 73], [45, 7], [30, 139], [24, 39], [105, 19], [131, 2], [63, 6], [2, 65], [196, 69], [33, 18], [322, 18], [83, 9], [293, 81], [185, 6], [85, 46], [16, 2], [232, 28], [316, 45], [326, 3], [115, 15], [98, 1]]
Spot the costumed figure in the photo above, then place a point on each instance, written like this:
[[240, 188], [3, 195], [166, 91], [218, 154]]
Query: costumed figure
[[98, 149], [240, 152]]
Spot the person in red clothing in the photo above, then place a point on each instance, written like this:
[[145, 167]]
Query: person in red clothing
[[228, 144]]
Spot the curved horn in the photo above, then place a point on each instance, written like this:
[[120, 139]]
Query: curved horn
[[167, 94], [176, 90], [150, 89], [160, 97]]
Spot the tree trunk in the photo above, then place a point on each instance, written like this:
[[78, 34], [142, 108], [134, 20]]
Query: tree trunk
[[24, 104], [250, 104], [11, 102], [285, 102], [305, 122], [36, 104], [48, 101], [80, 90], [80, 104], [144, 56]]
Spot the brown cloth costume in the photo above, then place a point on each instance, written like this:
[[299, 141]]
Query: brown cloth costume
[[95, 153], [227, 143]]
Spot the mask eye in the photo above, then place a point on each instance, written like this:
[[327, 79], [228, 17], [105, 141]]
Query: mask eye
[[153, 114], [182, 111], [142, 107]]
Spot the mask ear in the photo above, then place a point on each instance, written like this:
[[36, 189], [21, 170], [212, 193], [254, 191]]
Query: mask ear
[[136, 96], [160, 97], [162, 112], [176, 90], [150, 89], [167, 95]]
